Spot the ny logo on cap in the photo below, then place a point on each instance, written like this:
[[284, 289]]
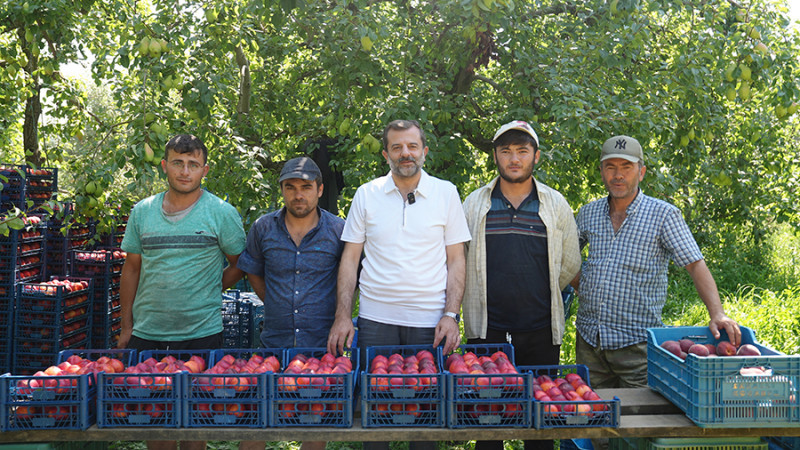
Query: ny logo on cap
[[621, 143]]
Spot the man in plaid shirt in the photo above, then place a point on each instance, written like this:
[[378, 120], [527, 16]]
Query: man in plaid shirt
[[623, 282]]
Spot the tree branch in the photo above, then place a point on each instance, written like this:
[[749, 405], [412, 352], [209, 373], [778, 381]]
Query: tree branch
[[494, 85]]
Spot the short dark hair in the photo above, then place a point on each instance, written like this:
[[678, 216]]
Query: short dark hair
[[186, 143], [398, 125], [515, 137]]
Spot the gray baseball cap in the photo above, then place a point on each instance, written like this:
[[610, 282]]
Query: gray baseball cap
[[624, 147], [302, 167]]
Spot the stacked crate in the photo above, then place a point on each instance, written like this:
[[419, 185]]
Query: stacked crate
[[23, 184], [12, 181], [41, 185], [50, 317], [64, 236], [114, 237], [242, 319], [104, 266], [21, 254]]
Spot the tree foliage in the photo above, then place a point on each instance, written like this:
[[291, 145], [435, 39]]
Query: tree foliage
[[708, 87]]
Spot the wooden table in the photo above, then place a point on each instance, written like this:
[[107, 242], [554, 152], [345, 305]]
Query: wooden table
[[645, 413]]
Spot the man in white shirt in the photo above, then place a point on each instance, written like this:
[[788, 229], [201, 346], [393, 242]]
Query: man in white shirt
[[411, 229]]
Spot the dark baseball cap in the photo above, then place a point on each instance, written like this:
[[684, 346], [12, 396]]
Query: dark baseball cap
[[624, 147], [302, 167]]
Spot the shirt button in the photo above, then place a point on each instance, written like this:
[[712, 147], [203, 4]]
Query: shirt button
[[297, 330], [514, 216], [296, 292], [297, 272], [298, 253], [295, 311]]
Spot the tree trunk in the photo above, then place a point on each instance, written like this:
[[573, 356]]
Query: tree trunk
[[30, 128], [244, 81]]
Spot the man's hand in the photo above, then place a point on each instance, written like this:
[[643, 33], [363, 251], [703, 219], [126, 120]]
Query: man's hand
[[729, 325], [447, 333], [124, 338], [340, 336]]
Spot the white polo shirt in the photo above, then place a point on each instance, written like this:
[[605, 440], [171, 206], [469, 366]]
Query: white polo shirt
[[404, 272]]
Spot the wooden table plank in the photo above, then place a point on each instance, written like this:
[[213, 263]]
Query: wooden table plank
[[635, 401], [667, 425]]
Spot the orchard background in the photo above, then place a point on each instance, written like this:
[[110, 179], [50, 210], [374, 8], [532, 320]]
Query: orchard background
[[709, 87]]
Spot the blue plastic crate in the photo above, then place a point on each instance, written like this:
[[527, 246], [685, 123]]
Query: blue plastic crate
[[6, 347], [576, 444], [47, 402], [47, 297], [402, 400], [106, 331], [488, 400], [491, 386], [784, 442], [226, 400], [229, 400], [713, 392], [566, 414], [62, 335], [96, 262], [313, 400], [148, 399], [237, 321], [139, 399]]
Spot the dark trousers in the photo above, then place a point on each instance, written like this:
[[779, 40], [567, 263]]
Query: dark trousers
[[212, 342], [372, 333], [531, 348]]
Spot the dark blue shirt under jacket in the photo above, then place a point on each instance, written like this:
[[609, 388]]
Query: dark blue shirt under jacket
[[300, 297]]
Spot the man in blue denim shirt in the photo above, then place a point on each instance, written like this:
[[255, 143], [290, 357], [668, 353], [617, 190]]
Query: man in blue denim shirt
[[292, 260]]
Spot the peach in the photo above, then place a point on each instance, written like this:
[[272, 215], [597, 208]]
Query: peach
[[572, 377], [672, 346], [685, 344], [748, 350], [698, 349], [725, 348]]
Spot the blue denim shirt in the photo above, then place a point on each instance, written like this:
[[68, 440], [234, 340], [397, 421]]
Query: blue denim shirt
[[300, 297]]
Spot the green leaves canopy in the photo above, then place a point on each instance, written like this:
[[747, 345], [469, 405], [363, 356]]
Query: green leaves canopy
[[258, 79]]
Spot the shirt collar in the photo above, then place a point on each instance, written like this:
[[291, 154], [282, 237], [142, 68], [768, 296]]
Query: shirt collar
[[497, 192], [423, 187], [631, 209], [280, 219]]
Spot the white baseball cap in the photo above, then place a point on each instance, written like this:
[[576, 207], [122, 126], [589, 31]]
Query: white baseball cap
[[520, 125]]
